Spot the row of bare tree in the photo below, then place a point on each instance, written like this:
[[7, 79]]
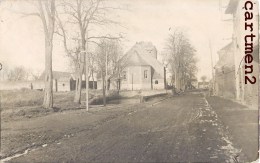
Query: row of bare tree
[[181, 60], [16, 74], [19, 73], [73, 21]]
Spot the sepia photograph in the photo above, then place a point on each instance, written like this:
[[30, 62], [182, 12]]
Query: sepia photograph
[[129, 81]]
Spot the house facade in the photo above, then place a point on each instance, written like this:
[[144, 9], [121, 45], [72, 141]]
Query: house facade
[[142, 70], [246, 93], [225, 77]]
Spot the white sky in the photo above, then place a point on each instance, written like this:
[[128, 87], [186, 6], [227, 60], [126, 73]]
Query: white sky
[[22, 39]]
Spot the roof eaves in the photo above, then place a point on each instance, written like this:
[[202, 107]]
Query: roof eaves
[[232, 6]]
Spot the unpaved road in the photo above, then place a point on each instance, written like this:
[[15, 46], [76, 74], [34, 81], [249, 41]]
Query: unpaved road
[[178, 129]]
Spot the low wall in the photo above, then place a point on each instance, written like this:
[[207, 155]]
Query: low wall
[[112, 95], [143, 93], [146, 98]]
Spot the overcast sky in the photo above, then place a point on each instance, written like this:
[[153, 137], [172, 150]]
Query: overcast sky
[[22, 39]]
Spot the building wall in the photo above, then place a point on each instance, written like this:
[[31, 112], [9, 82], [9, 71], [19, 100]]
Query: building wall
[[219, 82], [99, 84], [36, 85], [225, 82], [243, 93], [135, 78], [251, 90], [63, 86], [146, 83], [39, 84], [83, 84], [229, 83], [225, 78], [238, 30], [159, 85]]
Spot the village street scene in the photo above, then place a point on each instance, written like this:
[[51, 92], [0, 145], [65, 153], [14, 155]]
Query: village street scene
[[129, 81]]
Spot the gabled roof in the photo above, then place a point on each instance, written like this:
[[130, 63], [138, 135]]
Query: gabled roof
[[227, 47], [59, 75], [135, 59], [232, 6], [157, 66]]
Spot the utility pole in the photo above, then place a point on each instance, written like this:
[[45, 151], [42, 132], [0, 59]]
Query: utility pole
[[0, 114], [132, 82], [213, 77], [86, 73], [106, 71], [106, 84]]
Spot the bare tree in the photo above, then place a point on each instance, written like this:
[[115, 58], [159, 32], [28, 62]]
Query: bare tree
[[4, 72], [47, 16], [35, 75], [45, 10], [108, 55], [18, 73], [180, 57], [81, 15]]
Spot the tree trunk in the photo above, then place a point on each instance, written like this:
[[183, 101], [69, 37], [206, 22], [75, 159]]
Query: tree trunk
[[77, 98], [103, 90], [93, 81], [48, 81], [108, 84], [177, 80], [48, 33]]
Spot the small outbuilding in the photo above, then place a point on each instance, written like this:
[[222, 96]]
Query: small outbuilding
[[62, 81]]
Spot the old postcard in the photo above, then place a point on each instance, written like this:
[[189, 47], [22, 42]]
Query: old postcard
[[129, 81]]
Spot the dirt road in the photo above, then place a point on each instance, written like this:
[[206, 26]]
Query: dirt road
[[178, 129]]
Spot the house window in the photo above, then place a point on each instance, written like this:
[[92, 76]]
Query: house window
[[124, 74], [63, 84], [145, 74], [156, 82]]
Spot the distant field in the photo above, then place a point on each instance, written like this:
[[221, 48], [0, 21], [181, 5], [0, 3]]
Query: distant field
[[21, 98], [26, 97]]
